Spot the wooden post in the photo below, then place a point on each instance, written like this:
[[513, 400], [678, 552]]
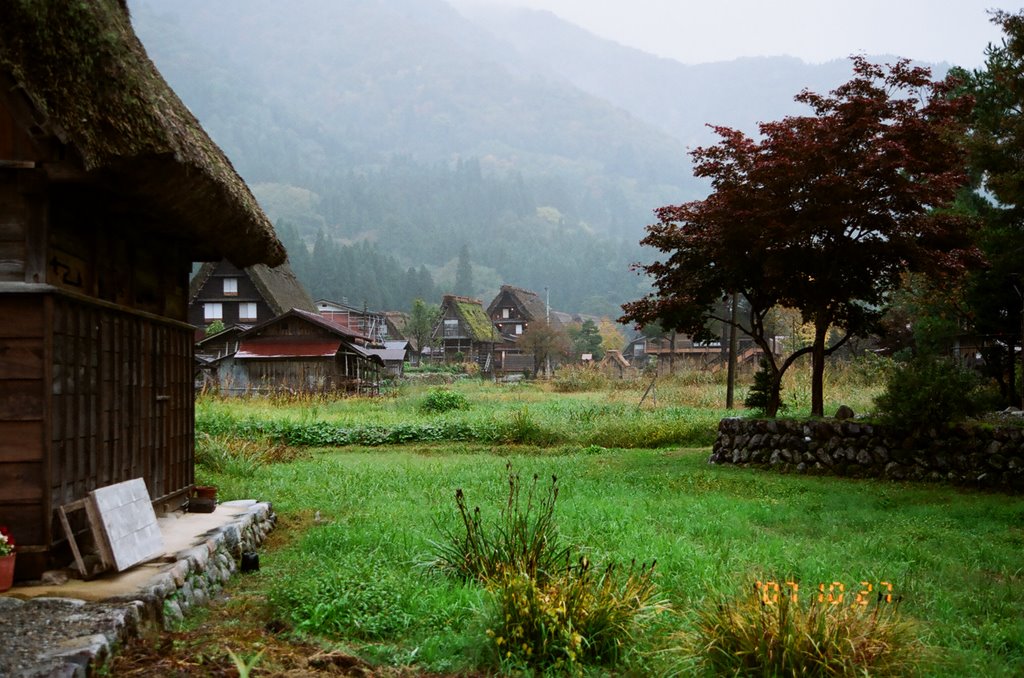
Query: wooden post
[[730, 388]]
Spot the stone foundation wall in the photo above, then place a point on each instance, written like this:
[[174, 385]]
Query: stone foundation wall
[[982, 456], [67, 637]]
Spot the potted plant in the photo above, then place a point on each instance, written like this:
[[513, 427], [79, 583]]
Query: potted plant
[[7, 555], [205, 492]]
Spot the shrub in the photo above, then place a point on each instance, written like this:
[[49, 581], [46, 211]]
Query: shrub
[[762, 635], [577, 378], [760, 391], [926, 391], [239, 457], [576, 617], [545, 612], [524, 538], [443, 400]]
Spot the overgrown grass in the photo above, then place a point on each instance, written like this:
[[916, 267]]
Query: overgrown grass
[[527, 414], [356, 576]]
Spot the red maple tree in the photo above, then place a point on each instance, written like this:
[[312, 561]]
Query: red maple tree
[[822, 214]]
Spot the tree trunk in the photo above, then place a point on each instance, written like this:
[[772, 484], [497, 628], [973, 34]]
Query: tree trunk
[[672, 353], [774, 395], [1011, 360], [818, 370]]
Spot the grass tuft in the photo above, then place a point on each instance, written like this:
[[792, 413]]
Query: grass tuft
[[768, 634]]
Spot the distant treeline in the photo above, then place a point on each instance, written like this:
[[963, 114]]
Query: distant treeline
[[391, 235]]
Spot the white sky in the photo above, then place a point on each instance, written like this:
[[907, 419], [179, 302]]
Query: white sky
[[694, 31]]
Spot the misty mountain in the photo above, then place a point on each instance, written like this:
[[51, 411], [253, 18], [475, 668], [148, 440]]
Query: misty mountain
[[680, 99], [402, 130]]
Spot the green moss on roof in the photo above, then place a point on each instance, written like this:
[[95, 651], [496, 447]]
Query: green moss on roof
[[480, 327], [94, 89]]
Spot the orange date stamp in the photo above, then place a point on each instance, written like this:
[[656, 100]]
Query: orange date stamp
[[834, 593]]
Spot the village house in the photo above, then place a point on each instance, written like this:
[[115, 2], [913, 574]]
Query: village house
[[512, 311], [300, 351], [220, 291], [682, 352], [109, 189], [464, 332], [372, 324]]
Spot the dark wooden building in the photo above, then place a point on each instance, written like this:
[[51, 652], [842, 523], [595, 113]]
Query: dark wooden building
[[464, 332], [236, 296], [300, 351], [514, 308], [109, 189], [512, 311]]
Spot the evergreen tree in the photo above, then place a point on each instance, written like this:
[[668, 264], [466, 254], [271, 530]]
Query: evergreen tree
[[587, 339]]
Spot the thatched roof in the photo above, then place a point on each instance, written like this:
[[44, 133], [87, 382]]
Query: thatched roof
[[89, 85], [278, 286], [531, 306], [474, 318]]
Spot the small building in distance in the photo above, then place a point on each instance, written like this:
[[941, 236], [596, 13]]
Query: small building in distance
[[300, 352], [220, 291], [513, 309], [464, 332]]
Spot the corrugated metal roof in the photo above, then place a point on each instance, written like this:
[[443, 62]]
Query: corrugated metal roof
[[388, 354], [288, 347]]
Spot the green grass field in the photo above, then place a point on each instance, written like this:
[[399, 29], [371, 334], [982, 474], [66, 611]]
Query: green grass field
[[359, 577]]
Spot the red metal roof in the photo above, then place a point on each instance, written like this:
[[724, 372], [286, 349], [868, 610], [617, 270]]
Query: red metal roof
[[288, 347]]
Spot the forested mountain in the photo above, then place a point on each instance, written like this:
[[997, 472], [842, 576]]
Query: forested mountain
[[390, 134]]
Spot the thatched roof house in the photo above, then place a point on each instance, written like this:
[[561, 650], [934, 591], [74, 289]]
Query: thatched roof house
[[109, 189], [78, 79], [222, 291], [463, 330], [514, 308]]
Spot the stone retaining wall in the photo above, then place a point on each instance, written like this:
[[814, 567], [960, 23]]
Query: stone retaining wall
[[67, 637], [976, 455]]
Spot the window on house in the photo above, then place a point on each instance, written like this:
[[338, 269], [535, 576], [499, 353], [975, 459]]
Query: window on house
[[505, 312], [519, 329], [451, 328], [213, 312], [230, 287], [247, 312]]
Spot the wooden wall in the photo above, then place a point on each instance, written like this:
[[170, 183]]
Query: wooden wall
[[92, 395], [122, 388], [22, 420]]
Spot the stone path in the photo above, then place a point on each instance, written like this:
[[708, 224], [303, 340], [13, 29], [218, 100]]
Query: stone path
[[66, 631]]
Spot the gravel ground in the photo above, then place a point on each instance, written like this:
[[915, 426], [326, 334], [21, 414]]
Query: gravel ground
[[59, 636]]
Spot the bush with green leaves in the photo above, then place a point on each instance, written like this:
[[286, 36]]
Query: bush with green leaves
[[367, 605], [926, 391], [767, 633], [441, 400]]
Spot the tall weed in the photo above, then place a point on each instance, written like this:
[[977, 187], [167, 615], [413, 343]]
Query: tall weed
[[524, 538]]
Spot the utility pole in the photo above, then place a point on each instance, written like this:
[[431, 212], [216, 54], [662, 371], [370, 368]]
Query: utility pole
[[730, 388], [547, 320], [1020, 292]]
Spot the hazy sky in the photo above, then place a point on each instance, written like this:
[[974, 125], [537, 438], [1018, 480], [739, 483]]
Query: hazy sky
[[695, 31]]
